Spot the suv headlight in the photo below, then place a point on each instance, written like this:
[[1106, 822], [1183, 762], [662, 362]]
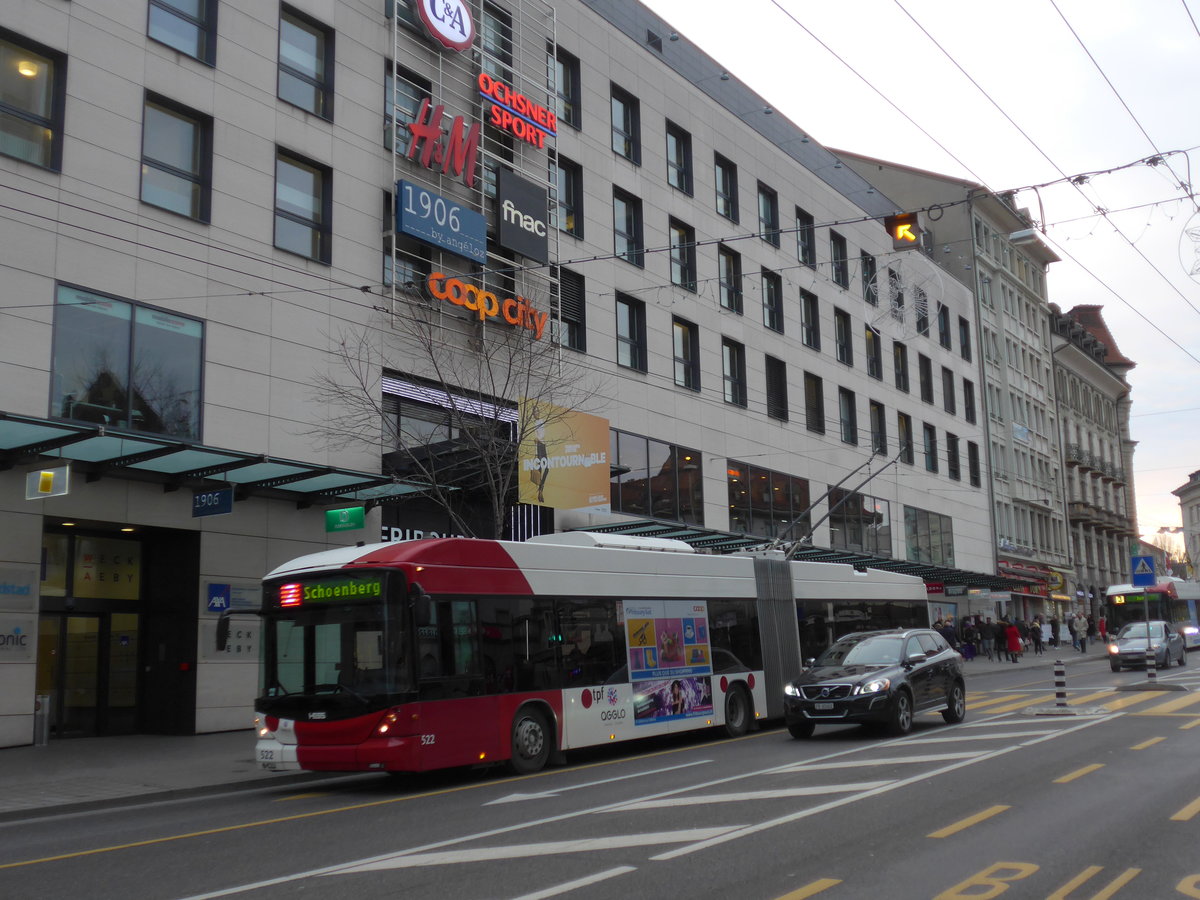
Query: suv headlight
[[791, 690], [874, 687]]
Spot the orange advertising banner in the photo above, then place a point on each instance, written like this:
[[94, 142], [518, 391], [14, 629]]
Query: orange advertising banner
[[563, 457]]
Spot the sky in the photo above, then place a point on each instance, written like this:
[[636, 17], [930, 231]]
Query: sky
[[1017, 95]]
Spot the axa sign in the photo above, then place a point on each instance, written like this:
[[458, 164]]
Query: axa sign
[[524, 216], [514, 310], [455, 152], [448, 22]]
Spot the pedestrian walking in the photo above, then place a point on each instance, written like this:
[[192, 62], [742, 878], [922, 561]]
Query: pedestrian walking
[[1102, 629], [1035, 634], [1000, 634], [1079, 629], [969, 637], [1013, 639], [1054, 631], [987, 637]]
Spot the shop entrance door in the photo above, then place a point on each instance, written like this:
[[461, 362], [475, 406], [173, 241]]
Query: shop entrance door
[[88, 665]]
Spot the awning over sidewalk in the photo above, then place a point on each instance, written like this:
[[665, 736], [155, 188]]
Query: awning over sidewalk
[[725, 542], [98, 451]]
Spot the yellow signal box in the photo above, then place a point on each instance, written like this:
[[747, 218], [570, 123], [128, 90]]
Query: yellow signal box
[[904, 229]]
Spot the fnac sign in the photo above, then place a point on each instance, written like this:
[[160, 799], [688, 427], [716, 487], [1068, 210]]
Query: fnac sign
[[448, 22], [515, 311]]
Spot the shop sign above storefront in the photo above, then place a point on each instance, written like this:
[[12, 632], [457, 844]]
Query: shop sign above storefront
[[434, 219], [448, 22], [515, 113], [455, 151]]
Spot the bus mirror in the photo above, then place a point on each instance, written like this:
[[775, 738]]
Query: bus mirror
[[223, 632], [420, 603]]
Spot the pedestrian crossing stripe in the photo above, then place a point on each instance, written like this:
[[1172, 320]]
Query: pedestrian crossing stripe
[[1186, 705]]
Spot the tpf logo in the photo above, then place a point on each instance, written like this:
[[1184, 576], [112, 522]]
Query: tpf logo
[[449, 22]]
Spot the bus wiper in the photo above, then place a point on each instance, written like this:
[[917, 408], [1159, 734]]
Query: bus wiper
[[334, 687]]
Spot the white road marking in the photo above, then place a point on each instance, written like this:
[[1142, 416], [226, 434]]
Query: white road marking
[[524, 851], [976, 737], [577, 883], [575, 787], [883, 761], [705, 799]]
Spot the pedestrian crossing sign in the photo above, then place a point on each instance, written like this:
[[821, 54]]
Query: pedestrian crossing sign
[[1143, 571]]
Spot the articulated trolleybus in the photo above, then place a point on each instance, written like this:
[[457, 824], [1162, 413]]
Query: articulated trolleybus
[[425, 654], [1171, 599]]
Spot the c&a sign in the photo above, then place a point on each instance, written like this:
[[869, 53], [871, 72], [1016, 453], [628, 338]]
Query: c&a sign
[[515, 311], [448, 22]]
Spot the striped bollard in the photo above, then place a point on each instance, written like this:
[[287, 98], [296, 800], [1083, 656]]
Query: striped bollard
[[1151, 668], [1060, 684]]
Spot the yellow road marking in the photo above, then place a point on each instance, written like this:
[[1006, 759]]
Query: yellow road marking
[[308, 796], [1078, 773], [1171, 706], [968, 822], [1187, 812], [1150, 743], [1088, 698], [982, 703], [1132, 698], [812, 889], [1031, 701], [1086, 875], [1191, 724]]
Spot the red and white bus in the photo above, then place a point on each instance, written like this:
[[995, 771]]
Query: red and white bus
[[425, 654]]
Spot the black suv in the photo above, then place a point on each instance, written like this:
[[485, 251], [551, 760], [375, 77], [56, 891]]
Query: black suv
[[878, 676]]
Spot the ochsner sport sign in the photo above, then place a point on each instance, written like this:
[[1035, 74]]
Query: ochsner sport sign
[[514, 310], [448, 22]]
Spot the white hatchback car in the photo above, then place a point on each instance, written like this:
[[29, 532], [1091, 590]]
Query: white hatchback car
[[1128, 648]]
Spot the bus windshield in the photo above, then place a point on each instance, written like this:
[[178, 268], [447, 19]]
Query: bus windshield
[[335, 638]]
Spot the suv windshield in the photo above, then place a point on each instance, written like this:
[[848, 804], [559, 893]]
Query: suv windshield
[[872, 651]]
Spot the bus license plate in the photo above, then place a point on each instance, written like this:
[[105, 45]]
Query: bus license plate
[[823, 705]]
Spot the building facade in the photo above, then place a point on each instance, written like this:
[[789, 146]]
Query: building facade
[[278, 278], [1189, 509]]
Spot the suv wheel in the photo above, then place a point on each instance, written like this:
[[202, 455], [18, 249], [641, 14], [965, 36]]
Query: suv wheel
[[901, 718]]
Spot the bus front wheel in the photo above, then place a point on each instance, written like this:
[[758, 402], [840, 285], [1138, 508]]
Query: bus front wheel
[[737, 711], [530, 741]]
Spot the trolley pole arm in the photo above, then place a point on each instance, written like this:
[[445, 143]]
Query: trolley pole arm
[[778, 542]]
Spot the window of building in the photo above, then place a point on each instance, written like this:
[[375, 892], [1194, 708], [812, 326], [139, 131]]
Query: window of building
[[627, 227], [768, 214], [176, 158], [943, 325], [305, 63], [764, 502], [686, 339], [814, 403], [948, 391], [839, 256], [874, 342], [302, 207], [679, 158], [125, 365], [772, 298], [725, 174], [879, 443], [870, 271], [921, 306], [964, 338], [189, 26], [657, 479], [848, 413], [631, 333], [904, 436], [968, 401], [496, 42], [32, 95], [567, 88], [952, 460], [806, 238], [403, 93], [900, 364], [810, 319], [567, 210], [683, 255], [859, 523], [729, 278], [626, 126], [931, 460], [733, 371], [928, 537], [777, 393], [925, 377], [841, 336], [973, 464], [572, 306]]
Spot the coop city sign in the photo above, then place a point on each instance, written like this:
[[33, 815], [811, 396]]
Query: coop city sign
[[515, 311]]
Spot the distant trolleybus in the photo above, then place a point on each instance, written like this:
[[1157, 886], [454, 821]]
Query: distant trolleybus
[[425, 654], [1171, 599]]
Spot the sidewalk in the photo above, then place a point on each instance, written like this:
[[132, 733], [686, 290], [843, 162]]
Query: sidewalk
[[74, 773]]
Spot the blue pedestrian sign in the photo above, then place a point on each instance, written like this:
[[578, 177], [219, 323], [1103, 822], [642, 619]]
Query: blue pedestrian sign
[[1143, 571]]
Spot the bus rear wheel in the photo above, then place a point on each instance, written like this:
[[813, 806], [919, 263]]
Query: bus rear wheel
[[530, 741], [737, 711]]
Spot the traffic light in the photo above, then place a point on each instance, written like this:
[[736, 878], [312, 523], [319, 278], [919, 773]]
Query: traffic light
[[904, 229]]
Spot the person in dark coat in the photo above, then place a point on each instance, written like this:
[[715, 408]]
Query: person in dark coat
[[1055, 625], [1013, 637], [1035, 635], [1000, 634]]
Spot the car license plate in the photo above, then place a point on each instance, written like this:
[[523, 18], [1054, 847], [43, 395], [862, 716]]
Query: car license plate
[[823, 706]]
